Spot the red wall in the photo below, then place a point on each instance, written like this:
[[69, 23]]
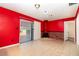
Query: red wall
[[55, 26], [42, 26], [9, 26]]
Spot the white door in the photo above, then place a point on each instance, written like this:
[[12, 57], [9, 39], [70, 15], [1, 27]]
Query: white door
[[77, 29], [65, 31], [37, 30]]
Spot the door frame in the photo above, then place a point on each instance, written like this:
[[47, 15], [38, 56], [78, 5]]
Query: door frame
[[75, 39], [65, 31], [31, 28]]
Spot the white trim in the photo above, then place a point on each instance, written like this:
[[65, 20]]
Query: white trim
[[9, 46], [65, 31]]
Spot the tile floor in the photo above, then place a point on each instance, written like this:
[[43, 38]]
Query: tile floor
[[42, 47]]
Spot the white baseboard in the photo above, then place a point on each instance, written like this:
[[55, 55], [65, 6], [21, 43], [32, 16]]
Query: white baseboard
[[9, 46]]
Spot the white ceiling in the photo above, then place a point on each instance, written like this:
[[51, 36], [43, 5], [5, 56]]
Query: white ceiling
[[47, 11]]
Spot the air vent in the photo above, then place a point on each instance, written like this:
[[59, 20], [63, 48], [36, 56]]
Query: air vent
[[70, 4]]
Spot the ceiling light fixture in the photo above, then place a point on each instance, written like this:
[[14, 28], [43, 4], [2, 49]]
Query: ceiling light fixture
[[37, 6], [45, 11]]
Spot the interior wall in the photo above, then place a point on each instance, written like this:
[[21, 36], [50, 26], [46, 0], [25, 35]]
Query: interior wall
[[9, 26], [55, 26], [42, 26]]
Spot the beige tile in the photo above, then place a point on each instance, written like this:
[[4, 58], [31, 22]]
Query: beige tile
[[43, 47]]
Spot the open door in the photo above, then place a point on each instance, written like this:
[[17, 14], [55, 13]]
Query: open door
[[65, 31], [26, 31], [69, 30]]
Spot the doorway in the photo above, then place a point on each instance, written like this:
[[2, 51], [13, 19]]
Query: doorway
[[69, 31], [26, 31]]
